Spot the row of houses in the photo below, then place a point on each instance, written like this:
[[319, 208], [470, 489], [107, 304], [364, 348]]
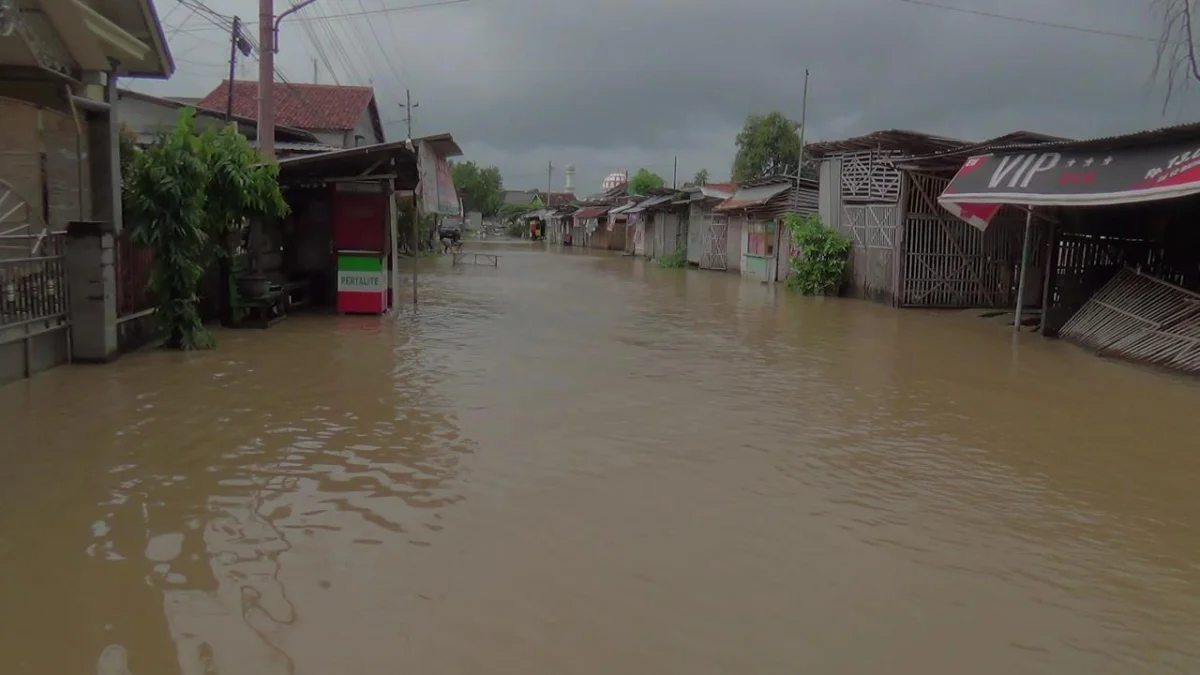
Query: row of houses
[[717, 226], [1090, 240]]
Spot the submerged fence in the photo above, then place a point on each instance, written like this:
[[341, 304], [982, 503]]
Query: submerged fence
[[1138, 317]]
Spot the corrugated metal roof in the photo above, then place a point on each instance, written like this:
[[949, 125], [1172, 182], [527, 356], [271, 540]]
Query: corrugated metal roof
[[752, 196], [911, 142], [622, 209], [1178, 133], [589, 212], [653, 201]]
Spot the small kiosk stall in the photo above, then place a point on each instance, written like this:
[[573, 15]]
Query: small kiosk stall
[[360, 243], [344, 215]]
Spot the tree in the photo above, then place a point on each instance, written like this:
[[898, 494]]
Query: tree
[[1176, 60], [701, 178], [481, 188], [644, 181], [188, 195], [768, 145]]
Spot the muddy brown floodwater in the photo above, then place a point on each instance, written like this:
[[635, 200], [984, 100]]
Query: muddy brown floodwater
[[580, 463]]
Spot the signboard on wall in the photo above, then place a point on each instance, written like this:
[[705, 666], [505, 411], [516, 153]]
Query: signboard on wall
[[437, 192]]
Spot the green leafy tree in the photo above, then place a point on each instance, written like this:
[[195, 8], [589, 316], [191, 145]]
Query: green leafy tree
[[481, 188], [701, 178], [187, 195], [768, 145], [644, 181]]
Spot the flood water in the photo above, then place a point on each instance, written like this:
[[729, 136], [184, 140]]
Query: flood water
[[580, 463]]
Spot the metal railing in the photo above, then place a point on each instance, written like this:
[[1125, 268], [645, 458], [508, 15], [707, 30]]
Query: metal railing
[[33, 275]]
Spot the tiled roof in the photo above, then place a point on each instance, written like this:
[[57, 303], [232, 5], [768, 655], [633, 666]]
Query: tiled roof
[[306, 106]]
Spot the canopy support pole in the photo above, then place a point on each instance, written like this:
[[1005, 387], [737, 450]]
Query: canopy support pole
[[1025, 252]]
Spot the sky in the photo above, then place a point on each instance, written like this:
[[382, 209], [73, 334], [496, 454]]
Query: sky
[[617, 85]]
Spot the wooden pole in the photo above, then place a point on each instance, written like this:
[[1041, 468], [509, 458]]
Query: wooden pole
[[394, 240], [1025, 251]]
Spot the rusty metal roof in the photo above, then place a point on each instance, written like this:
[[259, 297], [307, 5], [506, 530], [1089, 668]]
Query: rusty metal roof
[[1178, 133], [953, 159], [589, 212], [910, 142], [747, 197]]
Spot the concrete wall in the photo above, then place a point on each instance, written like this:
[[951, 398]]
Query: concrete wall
[[364, 128], [45, 351]]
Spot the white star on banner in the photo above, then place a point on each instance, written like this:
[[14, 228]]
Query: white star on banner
[[1088, 161], [1107, 161], [1070, 162]]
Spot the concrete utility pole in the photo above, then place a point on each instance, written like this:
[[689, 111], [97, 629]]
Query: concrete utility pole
[[408, 106], [549, 174], [266, 78], [803, 114], [675, 173], [268, 34], [234, 37]]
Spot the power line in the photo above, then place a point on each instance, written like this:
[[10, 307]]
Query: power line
[[350, 15], [1031, 22]]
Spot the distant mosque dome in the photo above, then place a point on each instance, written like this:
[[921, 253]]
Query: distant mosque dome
[[614, 179]]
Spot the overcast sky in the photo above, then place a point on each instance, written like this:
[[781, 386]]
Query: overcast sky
[[616, 85]]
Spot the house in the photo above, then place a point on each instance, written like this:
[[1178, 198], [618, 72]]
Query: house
[[880, 190], [59, 179], [755, 211], [707, 233], [862, 194], [339, 116], [148, 116]]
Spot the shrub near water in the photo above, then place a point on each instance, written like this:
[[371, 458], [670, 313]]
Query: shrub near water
[[676, 260], [823, 255]]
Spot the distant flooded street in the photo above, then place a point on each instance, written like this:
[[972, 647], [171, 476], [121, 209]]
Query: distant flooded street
[[581, 463]]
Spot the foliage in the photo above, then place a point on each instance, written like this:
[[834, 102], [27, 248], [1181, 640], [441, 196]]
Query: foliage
[[426, 228], [822, 258], [481, 188], [515, 228], [677, 260], [768, 145], [701, 178], [644, 181], [187, 195], [509, 212]]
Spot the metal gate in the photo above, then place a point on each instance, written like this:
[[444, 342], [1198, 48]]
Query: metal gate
[[716, 239], [33, 277]]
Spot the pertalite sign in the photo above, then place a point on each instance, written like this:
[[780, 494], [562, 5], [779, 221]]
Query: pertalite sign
[[1072, 178], [361, 286]]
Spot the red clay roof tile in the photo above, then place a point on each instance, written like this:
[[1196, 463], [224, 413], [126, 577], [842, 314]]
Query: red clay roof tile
[[304, 106]]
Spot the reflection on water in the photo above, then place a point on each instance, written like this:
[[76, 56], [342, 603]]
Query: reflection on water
[[581, 463]]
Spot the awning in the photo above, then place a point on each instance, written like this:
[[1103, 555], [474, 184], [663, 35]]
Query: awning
[[1072, 177], [366, 162], [753, 196]]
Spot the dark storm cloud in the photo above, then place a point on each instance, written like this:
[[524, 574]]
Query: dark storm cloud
[[621, 84]]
